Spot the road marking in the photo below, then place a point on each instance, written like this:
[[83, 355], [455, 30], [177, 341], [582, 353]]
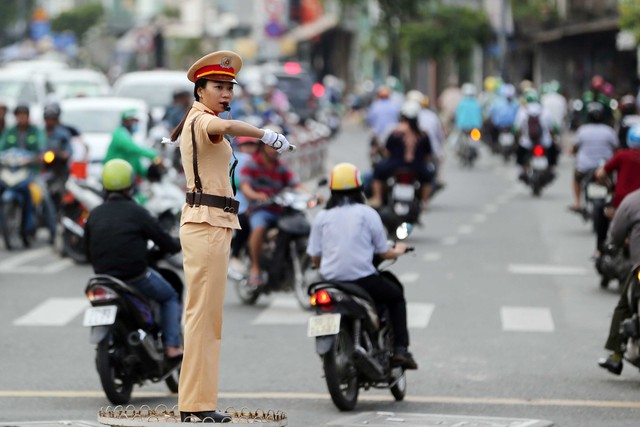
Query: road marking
[[526, 319], [419, 314], [432, 256], [450, 241], [53, 312], [558, 270], [283, 310], [408, 277], [490, 208], [479, 218], [92, 394], [465, 229], [16, 264]]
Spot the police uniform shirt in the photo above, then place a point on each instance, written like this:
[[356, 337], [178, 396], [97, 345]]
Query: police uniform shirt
[[346, 238], [214, 156]]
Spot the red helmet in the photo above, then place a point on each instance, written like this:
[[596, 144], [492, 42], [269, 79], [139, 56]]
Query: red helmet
[[608, 89], [596, 82]]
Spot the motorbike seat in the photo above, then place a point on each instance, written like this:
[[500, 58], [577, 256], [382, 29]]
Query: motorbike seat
[[348, 287]]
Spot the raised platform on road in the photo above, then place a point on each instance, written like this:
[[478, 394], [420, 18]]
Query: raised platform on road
[[383, 419]]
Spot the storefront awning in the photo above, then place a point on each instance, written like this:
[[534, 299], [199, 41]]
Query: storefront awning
[[308, 31], [595, 26]]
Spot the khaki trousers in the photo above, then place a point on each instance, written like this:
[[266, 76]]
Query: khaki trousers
[[205, 251]]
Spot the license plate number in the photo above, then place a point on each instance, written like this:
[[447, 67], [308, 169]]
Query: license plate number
[[99, 316], [506, 139], [325, 324], [596, 191], [403, 192], [540, 163]]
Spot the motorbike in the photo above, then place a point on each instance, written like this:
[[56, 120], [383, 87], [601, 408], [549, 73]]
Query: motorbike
[[630, 328], [506, 141], [55, 173], [538, 174], [17, 172], [126, 329], [284, 262], [79, 199], [467, 147], [401, 210], [596, 196], [354, 339]]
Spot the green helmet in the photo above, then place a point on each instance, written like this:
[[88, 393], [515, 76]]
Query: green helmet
[[117, 175], [531, 95]]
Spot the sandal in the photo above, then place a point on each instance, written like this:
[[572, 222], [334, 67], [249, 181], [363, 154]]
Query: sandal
[[255, 280]]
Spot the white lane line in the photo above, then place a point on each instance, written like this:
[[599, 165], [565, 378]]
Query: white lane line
[[419, 314], [490, 208], [479, 218], [57, 266], [408, 277], [53, 312], [283, 310], [558, 270], [14, 261], [465, 229], [526, 319], [501, 200], [432, 256], [450, 241]]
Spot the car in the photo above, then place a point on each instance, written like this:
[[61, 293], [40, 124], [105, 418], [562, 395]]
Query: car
[[78, 82], [19, 87], [156, 88], [96, 119], [297, 83]]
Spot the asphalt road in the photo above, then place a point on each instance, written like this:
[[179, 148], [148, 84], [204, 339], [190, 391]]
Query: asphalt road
[[506, 320]]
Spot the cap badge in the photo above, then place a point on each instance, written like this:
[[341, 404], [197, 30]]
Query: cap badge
[[226, 62]]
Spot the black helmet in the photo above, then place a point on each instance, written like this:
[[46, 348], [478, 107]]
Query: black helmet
[[595, 112], [21, 108], [52, 110]]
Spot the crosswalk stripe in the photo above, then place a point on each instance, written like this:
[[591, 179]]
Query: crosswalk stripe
[[14, 261], [408, 277], [526, 319], [432, 256], [546, 269], [419, 314], [53, 312]]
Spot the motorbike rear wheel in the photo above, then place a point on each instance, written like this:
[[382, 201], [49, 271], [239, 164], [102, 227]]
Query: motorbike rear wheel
[[399, 389], [302, 281], [116, 383], [173, 380], [72, 246], [340, 372], [11, 226]]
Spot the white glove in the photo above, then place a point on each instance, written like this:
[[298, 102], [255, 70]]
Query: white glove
[[277, 141]]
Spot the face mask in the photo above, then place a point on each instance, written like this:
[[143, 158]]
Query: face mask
[[135, 127]]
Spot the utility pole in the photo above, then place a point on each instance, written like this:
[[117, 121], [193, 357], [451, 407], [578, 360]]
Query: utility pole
[[502, 39]]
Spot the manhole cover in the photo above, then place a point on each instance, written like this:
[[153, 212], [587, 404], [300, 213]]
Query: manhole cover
[[384, 419]]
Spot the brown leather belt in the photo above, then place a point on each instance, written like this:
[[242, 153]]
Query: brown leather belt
[[227, 204]]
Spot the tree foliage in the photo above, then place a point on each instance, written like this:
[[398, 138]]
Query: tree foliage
[[630, 16], [446, 31], [79, 19]]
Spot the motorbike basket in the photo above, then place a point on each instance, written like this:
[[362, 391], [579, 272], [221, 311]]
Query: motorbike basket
[[130, 416]]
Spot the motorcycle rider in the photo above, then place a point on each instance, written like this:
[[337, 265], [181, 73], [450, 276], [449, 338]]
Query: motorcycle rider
[[407, 147], [529, 115], [625, 225], [430, 124], [504, 109], [116, 236], [628, 117], [123, 146], [468, 112], [262, 177], [596, 142], [343, 240], [553, 102], [26, 136]]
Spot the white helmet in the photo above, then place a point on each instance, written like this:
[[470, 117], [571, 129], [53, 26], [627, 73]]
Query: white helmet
[[410, 109], [469, 89], [415, 96]]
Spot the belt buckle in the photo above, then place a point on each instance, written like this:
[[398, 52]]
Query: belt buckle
[[197, 199], [228, 207]]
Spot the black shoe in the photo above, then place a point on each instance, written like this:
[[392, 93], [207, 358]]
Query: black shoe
[[205, 417], [523, 177], [611, 365], [401, 357]]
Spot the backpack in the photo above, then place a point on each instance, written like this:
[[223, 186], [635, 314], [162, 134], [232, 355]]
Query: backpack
[[534, 128]]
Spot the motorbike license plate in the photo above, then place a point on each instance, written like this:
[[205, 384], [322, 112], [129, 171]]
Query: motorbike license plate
[[596, 191], [325, 324], [99, 316], [539, 163], [506, 139], [403, 192]]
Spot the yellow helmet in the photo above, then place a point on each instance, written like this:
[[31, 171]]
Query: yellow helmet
[[345, 176]]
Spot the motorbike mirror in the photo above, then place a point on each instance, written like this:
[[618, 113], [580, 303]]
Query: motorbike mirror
[[322, 182], [403, 230]]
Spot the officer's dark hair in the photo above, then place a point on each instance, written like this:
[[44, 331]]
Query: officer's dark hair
[[345, 197], [178, 129]]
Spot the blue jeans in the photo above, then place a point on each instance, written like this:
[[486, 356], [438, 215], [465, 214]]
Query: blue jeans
[[154, 286]]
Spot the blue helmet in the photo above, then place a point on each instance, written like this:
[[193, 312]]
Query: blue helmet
[[633, 137]]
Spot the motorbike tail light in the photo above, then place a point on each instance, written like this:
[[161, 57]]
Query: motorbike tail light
[[67, 198], [538, 151], [321, 298], [404, 178], [100, 293], [475, 134]]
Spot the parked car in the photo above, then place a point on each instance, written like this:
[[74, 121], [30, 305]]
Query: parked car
[[297, 83], [97, 118], [78, 82], [20, 87], [156, 88]]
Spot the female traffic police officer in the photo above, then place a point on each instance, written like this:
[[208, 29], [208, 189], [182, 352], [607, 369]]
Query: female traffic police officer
[[208, 218]]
